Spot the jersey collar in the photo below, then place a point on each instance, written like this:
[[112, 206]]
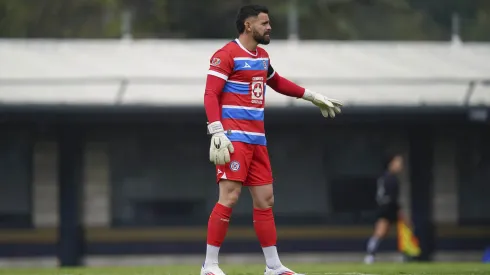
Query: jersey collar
[[243, 48]]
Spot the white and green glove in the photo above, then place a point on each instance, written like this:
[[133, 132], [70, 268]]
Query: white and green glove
[[328, 106], [221, 147]]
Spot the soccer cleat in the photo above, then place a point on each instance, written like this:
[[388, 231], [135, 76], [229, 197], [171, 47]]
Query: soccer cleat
[[211, 270], [280, 271], [369, 259]]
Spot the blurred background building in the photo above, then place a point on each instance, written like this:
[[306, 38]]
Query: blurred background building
[[93, 92]]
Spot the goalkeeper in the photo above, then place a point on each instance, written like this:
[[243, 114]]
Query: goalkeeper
[[234, 99]]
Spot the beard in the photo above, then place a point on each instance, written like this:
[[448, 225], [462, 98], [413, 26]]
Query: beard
[[261, 39]]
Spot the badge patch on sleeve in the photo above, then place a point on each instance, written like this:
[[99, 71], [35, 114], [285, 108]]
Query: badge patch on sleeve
[[215, 62]]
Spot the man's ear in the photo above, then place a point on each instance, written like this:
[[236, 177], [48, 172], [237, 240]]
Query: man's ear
[[248, 26], [248, 23]]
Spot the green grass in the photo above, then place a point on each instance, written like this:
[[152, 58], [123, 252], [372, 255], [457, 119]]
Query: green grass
[[310, 269]]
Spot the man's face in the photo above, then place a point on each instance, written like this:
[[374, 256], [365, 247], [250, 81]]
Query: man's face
[[260, 28], [397, 164]]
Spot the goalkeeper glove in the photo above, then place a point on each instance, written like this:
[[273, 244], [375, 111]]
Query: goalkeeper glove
[[221, 146], [328, 106]]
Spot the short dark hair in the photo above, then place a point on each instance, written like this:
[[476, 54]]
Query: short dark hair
[[246, 12]]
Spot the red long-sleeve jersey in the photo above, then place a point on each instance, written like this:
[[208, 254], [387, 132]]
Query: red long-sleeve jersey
[[235, 91]]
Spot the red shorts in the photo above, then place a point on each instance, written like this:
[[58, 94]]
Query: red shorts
[[248, 164]]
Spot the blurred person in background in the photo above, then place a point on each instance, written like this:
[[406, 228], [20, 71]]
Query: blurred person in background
[[389, 209], [234, 100]]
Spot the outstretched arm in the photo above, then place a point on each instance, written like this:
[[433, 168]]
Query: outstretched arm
[[328, 106], [283, 85]]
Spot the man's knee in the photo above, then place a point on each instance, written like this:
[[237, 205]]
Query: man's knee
[[263, 196], [267, 202], [231, 199], [381, 228], [229, 192]]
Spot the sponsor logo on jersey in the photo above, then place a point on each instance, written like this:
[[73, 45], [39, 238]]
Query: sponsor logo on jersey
[[257, 92]]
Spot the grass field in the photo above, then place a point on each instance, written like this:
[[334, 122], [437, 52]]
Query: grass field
[[310, 269]]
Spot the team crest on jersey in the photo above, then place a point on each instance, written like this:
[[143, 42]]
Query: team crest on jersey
[[234, 166], [215, 61], [257, 92]]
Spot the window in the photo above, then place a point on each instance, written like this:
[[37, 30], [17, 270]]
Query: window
[[474, 184], [329, 176], [15, 179], [320, 177], [157, 184]]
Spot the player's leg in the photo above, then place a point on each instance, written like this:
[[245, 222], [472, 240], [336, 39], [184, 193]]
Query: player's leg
[[219, 220], [381, 228], [264, 224], [230, 178], [259, 181]]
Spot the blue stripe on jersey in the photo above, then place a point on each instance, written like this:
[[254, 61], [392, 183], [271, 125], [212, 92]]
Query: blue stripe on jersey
[[236, 88], [247, 138], [251, 65], [236, 113]]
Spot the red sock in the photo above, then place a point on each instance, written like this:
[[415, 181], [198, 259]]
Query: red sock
[[218, 224], [265, 227]]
